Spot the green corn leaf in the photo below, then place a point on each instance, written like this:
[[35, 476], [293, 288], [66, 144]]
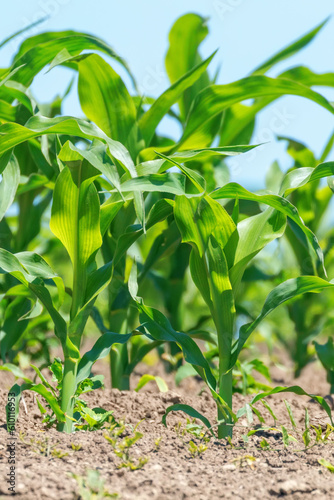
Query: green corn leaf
[[289, 410], [269, 408], [257, 413], [12, 134], [38, 51], [108, 211], [185, 37], [10, 263], [283, 292], [138, 355], [208, 153], [9, 185], [281, 204], [189, 410], [183, 372], [100, 350], [195, 178], [325, 353], [254, 234], [17, 390], [239, 120], [217, 98], [35, 265], [43, 379], [16, 371], [145, 379], [159, 212], [106, 101], [295, 389], [96, 155], [308, 77], [25, 266], [150, 120], [157, 325], [8, 112], [285, 436], [75, 221], [198, 218], [301, 176], [290, 50], [173, 183], [326, 464]]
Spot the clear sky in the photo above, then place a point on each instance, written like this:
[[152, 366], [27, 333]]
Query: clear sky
[[246, 32]]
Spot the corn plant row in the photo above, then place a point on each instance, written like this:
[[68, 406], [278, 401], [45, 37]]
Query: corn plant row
[[115, 184]]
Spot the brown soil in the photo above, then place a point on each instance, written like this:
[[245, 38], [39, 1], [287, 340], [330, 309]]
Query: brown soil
[[222, 471]]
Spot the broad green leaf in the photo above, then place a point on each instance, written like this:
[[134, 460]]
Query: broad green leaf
[[40, 389], [108, 212], [325, 353], [12, 90], [8, 112], [150, 120], [16, 371], [281, 204], [198, 218], [216, 98], [96, 155], [299, 177], [239, 120], [254, 234], [308, 77], [173, 183], [9, 185], [208, 153], [35, 265], [12, 134], [100, 350], [106, 101], [9, 263], [285, 291], [185, 37], [38, 51], [159, 212], [158, 326], [75, 221]]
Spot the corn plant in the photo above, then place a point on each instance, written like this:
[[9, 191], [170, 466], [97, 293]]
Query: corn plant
[[222, 247], [116, 187]]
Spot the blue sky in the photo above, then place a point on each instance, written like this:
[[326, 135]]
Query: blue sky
[[246, 32]]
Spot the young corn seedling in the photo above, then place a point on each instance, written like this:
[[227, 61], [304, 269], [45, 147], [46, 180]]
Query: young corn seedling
[[122, 444]]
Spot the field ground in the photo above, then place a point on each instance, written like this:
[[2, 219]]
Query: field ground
[[171, 472]]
